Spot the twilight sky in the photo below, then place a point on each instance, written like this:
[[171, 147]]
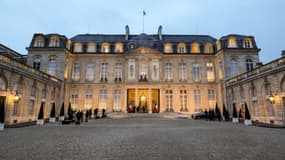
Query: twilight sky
[[264, 19]]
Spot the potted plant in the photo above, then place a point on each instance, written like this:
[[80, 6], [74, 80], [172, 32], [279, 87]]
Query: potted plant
[[40, 120], [2, 115], [52, 114], [61, 114], [247, 120], [235, 117]]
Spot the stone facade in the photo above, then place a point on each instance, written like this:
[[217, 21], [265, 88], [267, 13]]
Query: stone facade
[[263, 89]]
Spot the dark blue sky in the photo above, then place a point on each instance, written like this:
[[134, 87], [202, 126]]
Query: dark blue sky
[[264, 19]]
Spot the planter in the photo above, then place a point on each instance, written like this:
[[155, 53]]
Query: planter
[[1, 126], [40, 122], [235, 120], [61, 118], [247, 122], [52, 120]]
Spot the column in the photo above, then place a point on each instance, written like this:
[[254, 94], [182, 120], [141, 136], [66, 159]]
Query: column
[[149, 108], [136, 97]]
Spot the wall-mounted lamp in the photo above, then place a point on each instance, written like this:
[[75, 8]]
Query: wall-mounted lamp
[[271, 99], [16, 98]]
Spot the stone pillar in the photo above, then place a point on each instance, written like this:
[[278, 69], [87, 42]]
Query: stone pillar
[[136, 97], [149, 108]]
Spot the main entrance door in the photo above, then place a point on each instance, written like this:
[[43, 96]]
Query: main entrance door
[[143, 100]]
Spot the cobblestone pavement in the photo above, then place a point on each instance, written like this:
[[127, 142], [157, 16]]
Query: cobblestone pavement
[[143, 138]]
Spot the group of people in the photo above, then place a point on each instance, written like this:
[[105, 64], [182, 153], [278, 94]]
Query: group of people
[[88, 114], [133, 109]]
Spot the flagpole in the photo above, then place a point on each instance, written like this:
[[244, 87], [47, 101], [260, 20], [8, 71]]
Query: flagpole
[[143, 21]]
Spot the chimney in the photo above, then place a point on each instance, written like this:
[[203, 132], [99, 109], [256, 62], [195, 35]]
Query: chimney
[[283, 53]]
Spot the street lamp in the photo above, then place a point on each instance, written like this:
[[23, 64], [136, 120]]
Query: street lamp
[[271, 99]]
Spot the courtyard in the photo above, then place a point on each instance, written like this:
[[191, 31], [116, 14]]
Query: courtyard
[[143, 137]]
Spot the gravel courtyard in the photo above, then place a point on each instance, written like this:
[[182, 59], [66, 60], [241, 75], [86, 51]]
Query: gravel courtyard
[[143, 138]]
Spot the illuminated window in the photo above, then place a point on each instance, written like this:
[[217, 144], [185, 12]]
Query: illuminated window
[[52, 66], [117, 101], [210, 72], [183, 100], [181, 48], [105, 48], [232, 43], [77, 47], [212, 98], [119, 47], [195, 48], [74, 99], [118, 72], [54, 41], [247, 43], [88, 100], [103, 99], [168, 48], [208, 48], [104, 72]]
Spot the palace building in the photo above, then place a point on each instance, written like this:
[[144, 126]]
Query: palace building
[[176, 73]]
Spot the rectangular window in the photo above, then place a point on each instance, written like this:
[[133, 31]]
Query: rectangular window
[[90, 72], [31, 108], [33, 91], [74, 99], [169, 102], [88, 99], [118, 72], [168, 71], [212, 98], [76, 72], [117, 101], [196, 72], [183, 100], [103, 99], [104, 72], [197, 99], [182, 72], [210, 72]]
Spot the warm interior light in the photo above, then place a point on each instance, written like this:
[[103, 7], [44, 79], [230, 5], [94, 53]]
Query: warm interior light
[[271, 98]]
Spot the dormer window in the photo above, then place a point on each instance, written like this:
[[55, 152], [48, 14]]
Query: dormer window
[[181, 48], [168, 48], [37, 63], [249, 65], [39, 42], [105, 48], [54, 41], [195, 48], [208, 48], [119, 47], [91, 47], [232, 43], [247, 43], [77, 47]]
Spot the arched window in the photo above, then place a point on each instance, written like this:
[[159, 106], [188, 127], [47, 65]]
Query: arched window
[[119, 47], [91, 47], [54, 41], [181, 48], [52, 66], [232, 43], [105, 48], [168, 48], [249, 65], [234, 67], [208, 48], [37, 63], [77, 47], [195, 48], [3, 85], [39, 41]]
